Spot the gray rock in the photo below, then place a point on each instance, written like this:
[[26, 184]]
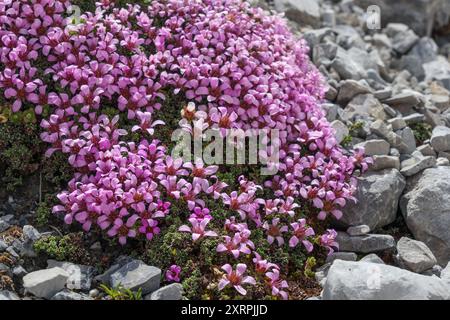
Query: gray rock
[[341, 130], [300, 11], [397, 123], [363, 106], [347, 256], [433, 271], [324, 53], [385, 162], [404, 41], [5, 270], [317, 36], [19, 271], [348, 280], [331, 111], [70, 295], [425, 206], [380, 128], [409, 99], [30, 233], [415, 255], [3, 245], [415, 165], [425, 50], [426, 150], [414, 118], [440, 139], [360, 230], [375, 147], [8, 295], [441, 101], [346, 67], [378, 194], [45, 283], [442, 162], [413, 65], [172, 291], [94, 293], [409, 139], [331, 95], [445, 274], [135, 275], [365, 244], [119, 263], [372, 258], [439, 70], [80, 276], [5, 222], [383, 94], [350, 88]]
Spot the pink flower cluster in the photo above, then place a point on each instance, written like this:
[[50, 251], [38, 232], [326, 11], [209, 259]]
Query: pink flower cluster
[[235, 66]]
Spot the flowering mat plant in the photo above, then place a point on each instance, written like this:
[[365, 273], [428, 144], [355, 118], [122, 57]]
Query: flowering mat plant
[[110, 86]]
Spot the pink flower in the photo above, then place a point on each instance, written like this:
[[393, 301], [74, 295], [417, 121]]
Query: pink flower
[[236, 278], [328, 240], [277, 284], [300, 233], [262, 266], [173, 273], [275, 232], [198, 229], [146, 123]]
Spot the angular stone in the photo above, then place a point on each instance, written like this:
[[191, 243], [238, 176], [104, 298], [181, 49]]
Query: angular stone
[[409, 139], [8, 295], [415, 255], [426, 207], [380, 128], [365, 244], [408, 99], [442, 162], [348, 89], [438, 70], [30, 233], [360, 230], [375, 147], [346, 67], [414, 118], [383, 94], [135, 275], [404, 41], [70, 295], [80, 276], [442, 102], [363, 106], [301, 11], [433, 271], [172, 291], [440, 139], [331, 111], [348, 280], [426, 150], [347, 256], [419, 164], [397, 123], [378, 194], [341, 130], [372, 258], [45, 283], [425, 50], [385, 162]]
